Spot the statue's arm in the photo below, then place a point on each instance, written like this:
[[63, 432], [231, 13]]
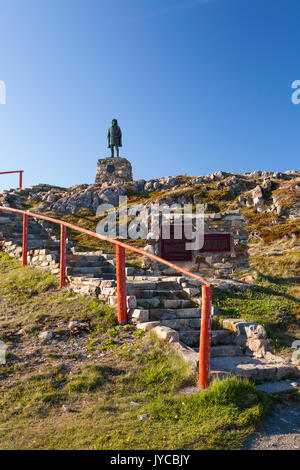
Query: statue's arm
[[120, 138]]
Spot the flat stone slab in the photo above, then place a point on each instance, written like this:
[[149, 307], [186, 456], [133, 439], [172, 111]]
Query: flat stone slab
[[244, 328], [187, 353], [165, 333], [147, 326], [257, 369], [170, 314], [225, 351], [230, 284], [182, 323], [221, 337], [278, 387]]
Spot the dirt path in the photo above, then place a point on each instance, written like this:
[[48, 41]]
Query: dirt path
[[281, 430]]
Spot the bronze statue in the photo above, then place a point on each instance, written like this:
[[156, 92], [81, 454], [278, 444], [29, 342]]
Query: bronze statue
[[114, 137]]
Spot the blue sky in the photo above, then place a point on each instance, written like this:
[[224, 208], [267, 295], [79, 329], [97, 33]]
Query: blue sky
[[197, 86]]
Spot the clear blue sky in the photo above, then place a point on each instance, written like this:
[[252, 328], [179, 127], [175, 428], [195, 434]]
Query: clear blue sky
[[197, 86]]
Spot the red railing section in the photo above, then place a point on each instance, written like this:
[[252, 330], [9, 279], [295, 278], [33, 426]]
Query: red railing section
[[16, 171], [205, 334]]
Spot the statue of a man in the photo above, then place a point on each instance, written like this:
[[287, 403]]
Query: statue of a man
[[114, 137]]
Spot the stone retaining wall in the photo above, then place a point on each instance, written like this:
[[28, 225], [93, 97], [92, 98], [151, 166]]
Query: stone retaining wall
[[41, 258], [207, 263]]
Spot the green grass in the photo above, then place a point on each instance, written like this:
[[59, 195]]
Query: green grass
[[31, 301], [102, 417], [272, 302], [91, 378], [20, 284], [97, 374]]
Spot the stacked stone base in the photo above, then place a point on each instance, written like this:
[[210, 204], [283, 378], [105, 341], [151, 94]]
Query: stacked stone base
[[113, 171]]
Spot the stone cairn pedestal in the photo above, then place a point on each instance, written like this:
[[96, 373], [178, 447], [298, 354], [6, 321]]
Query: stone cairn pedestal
[[113, 170]]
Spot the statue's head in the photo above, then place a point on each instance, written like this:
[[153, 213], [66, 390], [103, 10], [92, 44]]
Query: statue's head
[[114, 122]]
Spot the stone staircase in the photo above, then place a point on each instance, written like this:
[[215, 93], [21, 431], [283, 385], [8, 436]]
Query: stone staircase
[[240, 348], [43, 249], [169, 306], [166, 302]]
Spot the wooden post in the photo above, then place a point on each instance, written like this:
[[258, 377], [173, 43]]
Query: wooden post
[[121, 285], [25, 240], [205, 337], [63, 255]]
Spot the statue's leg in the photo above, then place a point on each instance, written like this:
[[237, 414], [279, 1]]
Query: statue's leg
[[112, 151], [117, 150]]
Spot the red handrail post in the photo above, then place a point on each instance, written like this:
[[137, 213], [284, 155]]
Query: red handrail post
[[63, 255], [25, 240], [121, 285], [20, 179], [205, 337]]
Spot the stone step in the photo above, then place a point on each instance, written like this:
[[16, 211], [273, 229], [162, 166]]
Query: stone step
[[153, 302], [226, 351], [178, 303], [90, 270], [152, 285], [169, 314], [13, 217], [19, 236], [149, 293], [182, 324], [84, 263], [18, 228], [190, 336], [279, 386], [31, 236], [156, 302], [34, 244], [143, 285], [168, 285], [257, 369], [90, 258], [43, 244], [221, 337], [96, 276]]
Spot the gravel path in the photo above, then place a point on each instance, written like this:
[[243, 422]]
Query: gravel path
[[281, 430]]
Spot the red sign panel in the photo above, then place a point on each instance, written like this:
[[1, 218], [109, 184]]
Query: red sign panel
[[216, 243], [173, 249]]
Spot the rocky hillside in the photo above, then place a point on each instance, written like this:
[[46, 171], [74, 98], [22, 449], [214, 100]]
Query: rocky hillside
[[266, 191], [270, 202]]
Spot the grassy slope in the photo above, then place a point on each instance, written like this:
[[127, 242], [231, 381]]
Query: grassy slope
[[119, 367], [272, 302], [274, 250]]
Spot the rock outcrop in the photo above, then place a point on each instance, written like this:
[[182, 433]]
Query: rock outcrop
[[265, 191]]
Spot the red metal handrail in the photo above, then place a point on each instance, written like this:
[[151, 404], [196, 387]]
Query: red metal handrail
[[205, 337], [16, 171]]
